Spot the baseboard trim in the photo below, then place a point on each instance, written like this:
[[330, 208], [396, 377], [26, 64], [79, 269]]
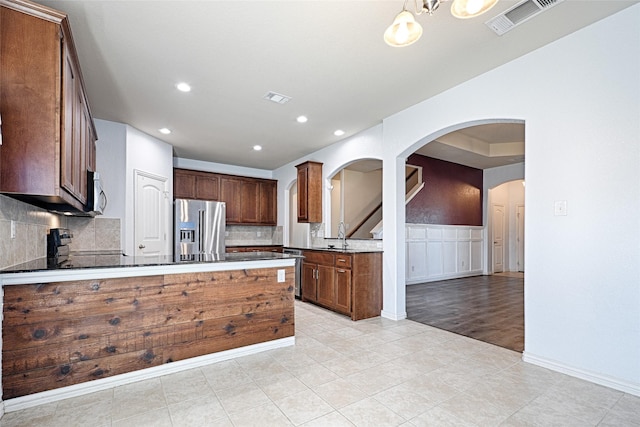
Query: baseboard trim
[[393, 316], [36, 399], [607, 381]]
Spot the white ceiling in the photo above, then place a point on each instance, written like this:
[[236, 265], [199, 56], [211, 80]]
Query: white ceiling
[[328, 56]]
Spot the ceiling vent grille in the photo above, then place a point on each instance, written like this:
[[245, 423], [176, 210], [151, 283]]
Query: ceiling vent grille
[[518, 14], [278, 98]]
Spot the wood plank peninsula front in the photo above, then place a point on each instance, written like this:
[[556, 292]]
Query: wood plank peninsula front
[[65, 328]]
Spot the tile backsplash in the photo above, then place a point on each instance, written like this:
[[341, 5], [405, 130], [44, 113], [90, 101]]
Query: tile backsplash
[[32, 225], [249, 235]]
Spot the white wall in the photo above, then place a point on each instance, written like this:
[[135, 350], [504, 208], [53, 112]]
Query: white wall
[[111, 155], [580, 99], [200, 165], [334, 158], [120, 151]]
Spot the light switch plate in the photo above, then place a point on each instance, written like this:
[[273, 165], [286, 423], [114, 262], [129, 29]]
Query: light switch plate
[[280, 276], [560, 208]]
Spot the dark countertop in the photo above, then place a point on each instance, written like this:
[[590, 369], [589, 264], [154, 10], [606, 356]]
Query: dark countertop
[[336, 249], [84, 261]]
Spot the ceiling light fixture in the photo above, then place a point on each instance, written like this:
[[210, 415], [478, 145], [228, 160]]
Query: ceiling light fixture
[[302, 119], [405, 30], [339, 132], [183, 87], [257, 147], [165, 131]]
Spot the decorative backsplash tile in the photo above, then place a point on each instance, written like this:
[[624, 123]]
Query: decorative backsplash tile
[[249, 235], [32, 225]]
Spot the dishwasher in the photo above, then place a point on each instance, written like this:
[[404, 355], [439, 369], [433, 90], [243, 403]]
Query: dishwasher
[[298, 268]]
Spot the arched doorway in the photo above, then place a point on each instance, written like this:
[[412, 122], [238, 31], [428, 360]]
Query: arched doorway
[[470, 301]]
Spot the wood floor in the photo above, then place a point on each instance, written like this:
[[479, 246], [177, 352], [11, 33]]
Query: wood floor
[[486, 308]]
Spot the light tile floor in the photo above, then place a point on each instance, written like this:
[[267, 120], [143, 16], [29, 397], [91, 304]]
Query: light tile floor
[[373, 372]]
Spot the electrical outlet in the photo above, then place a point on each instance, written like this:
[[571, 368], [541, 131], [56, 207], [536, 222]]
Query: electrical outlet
[[13, 229], [560, 208], [280, 276]]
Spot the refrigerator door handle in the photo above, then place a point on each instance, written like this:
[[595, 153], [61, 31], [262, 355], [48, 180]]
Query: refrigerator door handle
[[201, 230]]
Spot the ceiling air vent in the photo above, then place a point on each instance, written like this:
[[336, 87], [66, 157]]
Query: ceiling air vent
[[518, 14], [278, 98]]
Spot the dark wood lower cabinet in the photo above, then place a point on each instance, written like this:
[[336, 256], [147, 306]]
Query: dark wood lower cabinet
[[350, 284], [63, 333]]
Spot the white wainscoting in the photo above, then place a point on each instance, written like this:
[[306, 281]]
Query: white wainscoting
[[437, 252]]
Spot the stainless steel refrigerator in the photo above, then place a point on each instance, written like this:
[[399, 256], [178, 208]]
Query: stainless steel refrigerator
[[199, 229]]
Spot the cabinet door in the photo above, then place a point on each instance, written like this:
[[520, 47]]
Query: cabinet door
[[308, 284], [207, 187], [249, 202], [343, 290], [184, 185], [230, 194], [303, 201], [67, 150], [326, 289], [268, 203]]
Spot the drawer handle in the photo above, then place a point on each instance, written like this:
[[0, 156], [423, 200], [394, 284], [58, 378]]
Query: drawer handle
[[342, 260], [342, 271]]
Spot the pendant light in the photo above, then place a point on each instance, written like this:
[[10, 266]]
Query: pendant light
[[464, 9], [405, 30]]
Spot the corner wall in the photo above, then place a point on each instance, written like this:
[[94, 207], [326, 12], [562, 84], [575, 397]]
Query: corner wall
[[582, 292]]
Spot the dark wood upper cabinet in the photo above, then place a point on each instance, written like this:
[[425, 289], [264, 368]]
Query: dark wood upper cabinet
[[188, 184], [268, 202], [48, 134], [309, 192], [230, 194], [250, 201]]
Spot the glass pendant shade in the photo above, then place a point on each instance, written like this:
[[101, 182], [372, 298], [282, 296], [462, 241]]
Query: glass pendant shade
[[470, 8], [404, 30]]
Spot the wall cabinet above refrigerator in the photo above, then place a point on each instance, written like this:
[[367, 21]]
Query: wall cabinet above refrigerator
[[250, 201]]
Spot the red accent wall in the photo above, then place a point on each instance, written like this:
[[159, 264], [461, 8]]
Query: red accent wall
[[452, 194]]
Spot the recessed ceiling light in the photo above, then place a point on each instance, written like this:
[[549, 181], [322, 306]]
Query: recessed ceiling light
[[165, 131], [302, 119], [257, 147], [183, 87], [339, 132]]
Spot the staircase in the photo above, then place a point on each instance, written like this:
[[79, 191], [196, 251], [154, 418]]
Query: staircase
[[413, 185]]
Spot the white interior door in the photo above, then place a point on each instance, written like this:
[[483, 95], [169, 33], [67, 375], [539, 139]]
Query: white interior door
[[498, 218], [151, 215], [520, 237]]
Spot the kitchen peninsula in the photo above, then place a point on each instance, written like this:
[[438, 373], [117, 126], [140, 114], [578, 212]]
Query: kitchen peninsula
[[109, 315]]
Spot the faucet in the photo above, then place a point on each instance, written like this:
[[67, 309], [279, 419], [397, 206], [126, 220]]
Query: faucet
[[342, 234]]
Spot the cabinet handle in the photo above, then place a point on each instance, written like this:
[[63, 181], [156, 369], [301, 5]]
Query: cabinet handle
[[341, 271], [141, 246], [342, 260]]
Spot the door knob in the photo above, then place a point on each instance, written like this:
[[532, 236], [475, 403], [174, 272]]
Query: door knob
[[141, 246]]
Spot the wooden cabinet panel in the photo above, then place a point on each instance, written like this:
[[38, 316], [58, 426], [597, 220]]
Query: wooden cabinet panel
[[268, 203], [309, 285], [47, 129], [343, 290], [250, 201], [309, 192], [207, 187], [229, 191], [326, 285], [350, 284], [184, 184], [188, 184]]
